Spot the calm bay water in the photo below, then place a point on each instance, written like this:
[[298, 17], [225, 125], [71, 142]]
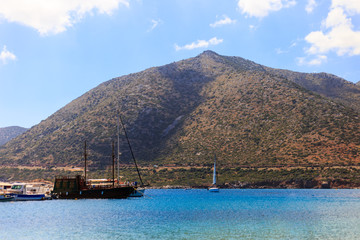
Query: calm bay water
[[190, 214]]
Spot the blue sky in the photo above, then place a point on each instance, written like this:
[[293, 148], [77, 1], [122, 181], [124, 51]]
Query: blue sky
[[52, 52]]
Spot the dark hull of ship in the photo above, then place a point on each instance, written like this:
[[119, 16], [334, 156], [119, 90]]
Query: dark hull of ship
[[107, 193]]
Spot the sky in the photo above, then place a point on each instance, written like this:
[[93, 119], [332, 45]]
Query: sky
[[53, 51]]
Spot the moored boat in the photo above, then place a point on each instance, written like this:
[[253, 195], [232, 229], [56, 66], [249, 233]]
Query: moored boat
[[6, 198], [78, 188], [138, 192], [214, 188], [4, 187], [26, 192]]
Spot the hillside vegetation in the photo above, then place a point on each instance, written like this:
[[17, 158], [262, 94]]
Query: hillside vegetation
[[8, 133], [182, 113]]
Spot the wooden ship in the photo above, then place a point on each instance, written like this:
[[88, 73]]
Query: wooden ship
[[79, 187]]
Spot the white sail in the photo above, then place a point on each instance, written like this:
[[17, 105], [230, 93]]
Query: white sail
[[214, 188], [214, 175]]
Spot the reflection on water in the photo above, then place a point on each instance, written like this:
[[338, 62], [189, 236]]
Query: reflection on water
[[194, 214]]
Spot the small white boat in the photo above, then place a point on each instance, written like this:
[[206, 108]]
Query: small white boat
[[213, 188], [25, 192], [139, 192]]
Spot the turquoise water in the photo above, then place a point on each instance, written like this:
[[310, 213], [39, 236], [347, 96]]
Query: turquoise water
[[190, 214]]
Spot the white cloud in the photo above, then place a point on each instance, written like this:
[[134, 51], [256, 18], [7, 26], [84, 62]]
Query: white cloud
[[154, 23], [280, 51], [54, 16], [5, 56], [253, 27], [318, 60], [351, 6], [199, 44], [262, 8], [301, 61], [226, 20], [287, 49], [338, 33], [293, 44], [311, 4]]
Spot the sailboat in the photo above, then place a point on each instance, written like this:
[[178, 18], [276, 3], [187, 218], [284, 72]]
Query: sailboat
[[80, 187], [138, 191], [213, 188]]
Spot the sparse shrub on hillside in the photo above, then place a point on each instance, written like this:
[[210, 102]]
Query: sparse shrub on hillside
[[248, 114]]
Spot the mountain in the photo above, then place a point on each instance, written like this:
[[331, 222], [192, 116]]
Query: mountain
[[327, 85], [8, 133], [183, 112]]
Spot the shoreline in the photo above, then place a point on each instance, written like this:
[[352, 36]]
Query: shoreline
[[228, 178], [300, 184]]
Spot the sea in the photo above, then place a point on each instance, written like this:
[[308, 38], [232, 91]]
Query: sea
[[190, 214]]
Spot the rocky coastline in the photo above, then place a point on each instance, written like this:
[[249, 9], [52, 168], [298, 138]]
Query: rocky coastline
[[299, 184]]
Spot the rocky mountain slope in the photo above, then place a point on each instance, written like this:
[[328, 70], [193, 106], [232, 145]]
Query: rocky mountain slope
[[8, 133], [182, 113]]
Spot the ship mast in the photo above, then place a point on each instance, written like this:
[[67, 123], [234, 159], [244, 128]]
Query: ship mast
[[132, 153], [85, 157], [113, 163], [214, 174], [118, 149]]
